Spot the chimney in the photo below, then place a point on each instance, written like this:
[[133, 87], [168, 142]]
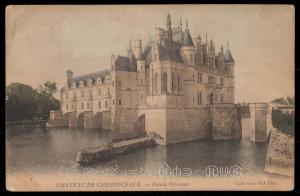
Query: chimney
[[69, 76]]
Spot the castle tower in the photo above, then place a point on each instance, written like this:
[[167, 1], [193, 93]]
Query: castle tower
[[187, 50], [141, 74], [138, 49], [229, 66]]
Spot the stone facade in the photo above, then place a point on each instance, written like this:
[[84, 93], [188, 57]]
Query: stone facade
[[175, 86]]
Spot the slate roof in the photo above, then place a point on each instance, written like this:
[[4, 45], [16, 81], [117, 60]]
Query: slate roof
[[92, 76], [187, 39], [124, 64], [228, 57], [169, 51], [177, 34]]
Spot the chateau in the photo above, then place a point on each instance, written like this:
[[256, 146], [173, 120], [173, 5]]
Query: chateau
[[176, 86]]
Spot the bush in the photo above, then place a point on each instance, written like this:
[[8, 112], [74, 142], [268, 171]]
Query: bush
[[283, 122]]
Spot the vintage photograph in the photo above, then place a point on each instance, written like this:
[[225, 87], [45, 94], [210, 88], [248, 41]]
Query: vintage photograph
[[150, 97]]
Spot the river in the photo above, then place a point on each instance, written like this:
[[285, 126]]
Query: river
[[54, 150]]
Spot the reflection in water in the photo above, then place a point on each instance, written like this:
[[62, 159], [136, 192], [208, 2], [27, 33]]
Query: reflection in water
[[54, 150]]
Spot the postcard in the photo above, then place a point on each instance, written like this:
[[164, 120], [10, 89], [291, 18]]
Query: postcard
[[150, 97]]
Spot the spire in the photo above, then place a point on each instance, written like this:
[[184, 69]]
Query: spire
[[228, 56], [129, 45], [169, 23], [187, 39], [180, 22], [187, 23], [169, 27]]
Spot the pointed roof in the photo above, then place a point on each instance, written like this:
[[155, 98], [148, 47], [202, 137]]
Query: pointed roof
[[187, 39], [228, 56]]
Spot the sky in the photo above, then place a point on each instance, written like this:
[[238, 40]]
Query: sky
[[42, 42]]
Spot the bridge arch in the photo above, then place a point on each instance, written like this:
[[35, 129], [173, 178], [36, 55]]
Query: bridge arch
[[139, 124], [80, 120], [98, 120]]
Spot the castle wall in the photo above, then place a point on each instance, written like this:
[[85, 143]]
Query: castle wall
[[259, 118], [186, 124], [226, 122], [127, 125]]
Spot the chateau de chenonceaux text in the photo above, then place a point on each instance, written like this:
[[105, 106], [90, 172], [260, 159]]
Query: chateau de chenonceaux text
[[174, 86]]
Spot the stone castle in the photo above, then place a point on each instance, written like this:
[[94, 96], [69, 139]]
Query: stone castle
[[176, 87]]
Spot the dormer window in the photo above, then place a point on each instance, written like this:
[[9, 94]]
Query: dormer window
[[81, 83], [74, 84]]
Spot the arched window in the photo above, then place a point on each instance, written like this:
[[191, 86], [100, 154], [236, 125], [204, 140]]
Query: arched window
[[164, 82], [156, 83]]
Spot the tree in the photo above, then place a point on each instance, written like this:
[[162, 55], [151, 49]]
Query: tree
[[24, 103], [46, 101], [21, 102]]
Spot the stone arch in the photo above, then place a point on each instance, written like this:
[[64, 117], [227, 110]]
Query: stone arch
[[66, 115], [106, 120], [80, 120], [139, 125], [98, 120], [164, 83]]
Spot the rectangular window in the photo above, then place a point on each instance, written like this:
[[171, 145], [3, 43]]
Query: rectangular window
[[221, 81], [90, 93], [67, 106], [82, 105], [119, 83], [211, 80], [105, 104], [82, 94], [221, 97], [120, 102], [199, 98], [199, 77], [99, 91], [141, 81], [88, 105], [99, 104], [113, 102]]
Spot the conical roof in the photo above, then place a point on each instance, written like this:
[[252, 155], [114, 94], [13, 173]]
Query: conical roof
[[187, 39], [228, 56]]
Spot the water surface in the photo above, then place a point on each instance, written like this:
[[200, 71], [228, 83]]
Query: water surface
[[54, 150]]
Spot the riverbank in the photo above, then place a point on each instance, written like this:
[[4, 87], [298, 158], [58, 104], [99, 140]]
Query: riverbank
[[35, 123], [280, 154]]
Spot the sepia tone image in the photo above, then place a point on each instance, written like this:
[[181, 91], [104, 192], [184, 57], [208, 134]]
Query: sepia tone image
[[149, 97]]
